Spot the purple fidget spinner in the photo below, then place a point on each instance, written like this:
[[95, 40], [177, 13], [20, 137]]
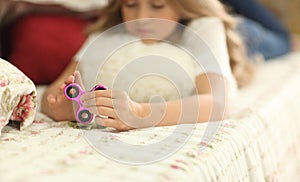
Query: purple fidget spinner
[[73, 92]]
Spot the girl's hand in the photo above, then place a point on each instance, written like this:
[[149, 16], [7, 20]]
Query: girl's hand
[[57, 106], [117, 109]]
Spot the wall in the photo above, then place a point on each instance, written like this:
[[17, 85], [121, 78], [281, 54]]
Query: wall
[[288, 11]]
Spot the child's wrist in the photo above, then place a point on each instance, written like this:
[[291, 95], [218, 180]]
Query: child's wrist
[[141, 110]]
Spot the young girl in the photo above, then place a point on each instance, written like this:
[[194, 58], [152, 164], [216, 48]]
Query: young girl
[[121, 110]]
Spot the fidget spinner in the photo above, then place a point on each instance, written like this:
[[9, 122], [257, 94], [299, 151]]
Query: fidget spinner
[[73, 92]]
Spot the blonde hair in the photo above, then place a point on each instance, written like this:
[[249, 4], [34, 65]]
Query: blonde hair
[[241, 67]]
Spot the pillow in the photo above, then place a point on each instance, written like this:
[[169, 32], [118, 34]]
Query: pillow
[[76, 5], [42, 45], [17, 96]]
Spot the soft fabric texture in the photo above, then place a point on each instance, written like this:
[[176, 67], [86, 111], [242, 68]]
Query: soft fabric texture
[[17, 96], [174, 66], [43, 45]]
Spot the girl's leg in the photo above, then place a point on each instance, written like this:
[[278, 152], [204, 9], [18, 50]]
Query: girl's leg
[[259, 40]]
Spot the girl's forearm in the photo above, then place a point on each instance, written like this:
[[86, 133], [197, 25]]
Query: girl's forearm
[[194, 109]]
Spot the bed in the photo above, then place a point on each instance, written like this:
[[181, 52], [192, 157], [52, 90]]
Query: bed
[[258, 142]]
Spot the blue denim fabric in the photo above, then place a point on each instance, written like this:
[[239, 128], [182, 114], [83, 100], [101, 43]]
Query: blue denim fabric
[[260, 40], [261, 30], [254, 10]]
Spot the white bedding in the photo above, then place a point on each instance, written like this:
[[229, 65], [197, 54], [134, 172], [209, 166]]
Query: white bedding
[[259, 141], [77, 5]]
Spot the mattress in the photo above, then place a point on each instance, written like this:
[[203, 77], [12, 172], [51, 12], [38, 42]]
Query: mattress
[[259, 141]]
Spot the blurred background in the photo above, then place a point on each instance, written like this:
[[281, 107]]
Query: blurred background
[[288, 11]]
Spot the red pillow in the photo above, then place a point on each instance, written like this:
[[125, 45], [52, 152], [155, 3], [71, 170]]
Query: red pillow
[[43, 45]]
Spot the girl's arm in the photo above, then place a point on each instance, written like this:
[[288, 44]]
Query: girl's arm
[[124, 114], [209, 104]]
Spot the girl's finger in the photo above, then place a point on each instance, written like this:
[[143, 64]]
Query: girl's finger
[[70, 79], [77, 79], [104, 111], [97, 93], [98, 101], [104, 93]]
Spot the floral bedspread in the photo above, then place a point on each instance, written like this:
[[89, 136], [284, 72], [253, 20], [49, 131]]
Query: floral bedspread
[[258, 142], [17, 96]]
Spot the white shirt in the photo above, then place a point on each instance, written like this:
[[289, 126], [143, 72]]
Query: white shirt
[[121, 61]]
